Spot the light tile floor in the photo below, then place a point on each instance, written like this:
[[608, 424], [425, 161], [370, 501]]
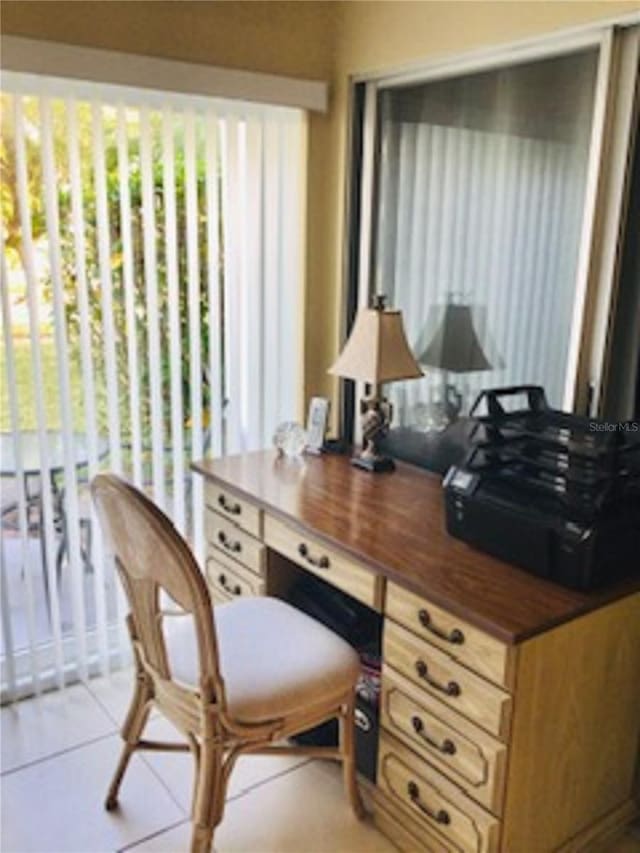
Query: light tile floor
[[58, 754]]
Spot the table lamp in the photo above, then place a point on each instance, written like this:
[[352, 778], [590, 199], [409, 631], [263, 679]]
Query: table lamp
[[454, 348], [376, 352]]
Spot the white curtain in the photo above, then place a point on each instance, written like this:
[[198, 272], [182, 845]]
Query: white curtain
[[151, 290]]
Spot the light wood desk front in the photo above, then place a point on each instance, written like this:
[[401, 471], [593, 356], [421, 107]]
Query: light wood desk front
[[510, 711]]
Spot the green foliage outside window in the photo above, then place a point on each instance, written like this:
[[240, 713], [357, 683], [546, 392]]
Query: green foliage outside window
[[13, 241]]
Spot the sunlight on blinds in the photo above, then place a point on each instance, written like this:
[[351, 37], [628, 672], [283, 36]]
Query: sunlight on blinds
[[151, 289]]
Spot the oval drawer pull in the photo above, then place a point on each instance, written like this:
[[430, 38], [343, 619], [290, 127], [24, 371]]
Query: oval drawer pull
[[232, 509], [319, 562], [454, 636], [234, 590], [229, 544], [452, 688], [440, 816], [447, 746]]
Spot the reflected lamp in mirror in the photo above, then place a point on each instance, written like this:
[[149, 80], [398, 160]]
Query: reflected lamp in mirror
[[454, 348], [376, 352]]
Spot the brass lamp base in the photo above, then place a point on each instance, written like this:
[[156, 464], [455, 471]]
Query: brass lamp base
[[376, 464], [376, 416]]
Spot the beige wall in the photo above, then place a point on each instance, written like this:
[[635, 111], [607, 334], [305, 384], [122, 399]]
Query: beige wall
[[321, 40], [278, 37]]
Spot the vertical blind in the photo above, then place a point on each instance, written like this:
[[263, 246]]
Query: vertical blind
[[151, 293], [481, 182]]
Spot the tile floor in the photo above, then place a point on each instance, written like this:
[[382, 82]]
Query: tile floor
[[58, 754], [59, 751]]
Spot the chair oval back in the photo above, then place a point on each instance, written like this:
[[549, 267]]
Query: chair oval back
[[151, 555]]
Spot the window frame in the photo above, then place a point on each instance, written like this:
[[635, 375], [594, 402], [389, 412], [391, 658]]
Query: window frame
[[603, 206]]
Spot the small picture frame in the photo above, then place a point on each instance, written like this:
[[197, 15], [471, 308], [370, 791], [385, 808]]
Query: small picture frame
[[317, 422]]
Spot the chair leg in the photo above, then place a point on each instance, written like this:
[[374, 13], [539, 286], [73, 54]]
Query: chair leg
[[111, 801], [131, 730], [348, 747], [208, 797]]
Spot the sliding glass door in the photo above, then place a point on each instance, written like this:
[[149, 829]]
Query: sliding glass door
[[152, 250]]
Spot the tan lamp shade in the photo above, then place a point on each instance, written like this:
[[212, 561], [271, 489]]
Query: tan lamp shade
[[377, 350]]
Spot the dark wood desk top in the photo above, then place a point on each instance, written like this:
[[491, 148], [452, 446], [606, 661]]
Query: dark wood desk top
[[395, 523]]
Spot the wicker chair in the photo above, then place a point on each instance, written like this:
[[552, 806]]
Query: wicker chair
[[237, 683]]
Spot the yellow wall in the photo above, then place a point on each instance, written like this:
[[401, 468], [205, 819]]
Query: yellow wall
[[277, 37], [318, 40]]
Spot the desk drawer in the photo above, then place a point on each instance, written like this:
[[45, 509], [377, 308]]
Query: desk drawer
[[327, 563], [408, 835], [243, 513], [229, 579], [435, 802], [466, 754], [441, 677], [235, 543], [462, 641]]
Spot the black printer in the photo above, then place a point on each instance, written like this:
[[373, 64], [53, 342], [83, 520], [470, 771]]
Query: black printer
[[554, 493]]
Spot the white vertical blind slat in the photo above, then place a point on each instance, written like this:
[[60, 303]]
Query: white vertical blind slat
[[232, 329], [493, 206], [481, 217], [388, 210], [9, 668], [109, 342], [33, 307], [153, 323], [69, 505], [25, 561], [470, 225], [194, 312], [459, 217], [106, 289], [568, 213], [413, 260], [87, 367], [433, 238], [534, 341], [242, 312], [533, 347], [253, 298], [515, 268], [406, 183], [173, 299], [213, 279], [534, 223], [271, 221], [293, 224], [296, 307], [129, 294]]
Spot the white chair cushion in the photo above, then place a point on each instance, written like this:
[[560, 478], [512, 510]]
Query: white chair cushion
[[274, 659]]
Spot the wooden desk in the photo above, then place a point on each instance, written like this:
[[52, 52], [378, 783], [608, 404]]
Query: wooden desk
[[510, 707]]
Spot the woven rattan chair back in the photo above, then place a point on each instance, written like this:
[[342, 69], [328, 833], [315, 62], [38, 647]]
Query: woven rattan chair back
[[151, 556]]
